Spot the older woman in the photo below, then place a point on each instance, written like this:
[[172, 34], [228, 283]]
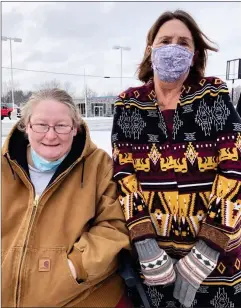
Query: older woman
[[177, 159], [62, 225]]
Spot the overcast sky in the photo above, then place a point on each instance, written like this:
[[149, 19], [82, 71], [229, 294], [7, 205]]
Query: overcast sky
[[77, 36]]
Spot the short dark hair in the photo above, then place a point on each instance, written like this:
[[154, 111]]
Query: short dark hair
[[201, 43]]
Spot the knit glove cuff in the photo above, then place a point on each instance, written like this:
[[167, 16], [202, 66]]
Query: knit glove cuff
[[147, 249], [198, 264], [192, 270], [207, 252], [156, 265]]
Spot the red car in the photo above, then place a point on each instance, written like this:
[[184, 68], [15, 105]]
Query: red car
[[6, 112]]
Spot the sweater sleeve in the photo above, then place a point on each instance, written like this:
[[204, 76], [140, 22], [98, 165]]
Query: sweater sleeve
[[222, 225], [130, 193]]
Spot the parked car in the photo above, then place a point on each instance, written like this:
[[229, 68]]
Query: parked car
[[18, 112], [6, 111]]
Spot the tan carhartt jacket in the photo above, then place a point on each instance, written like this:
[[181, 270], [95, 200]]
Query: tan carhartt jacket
[[78, 217]]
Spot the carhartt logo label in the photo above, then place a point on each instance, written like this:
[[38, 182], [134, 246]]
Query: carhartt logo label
[[44, 265]]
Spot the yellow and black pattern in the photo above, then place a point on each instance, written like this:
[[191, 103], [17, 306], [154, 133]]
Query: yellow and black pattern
[[183, 185]]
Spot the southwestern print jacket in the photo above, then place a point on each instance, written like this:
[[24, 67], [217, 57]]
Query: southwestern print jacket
[[186, 186]]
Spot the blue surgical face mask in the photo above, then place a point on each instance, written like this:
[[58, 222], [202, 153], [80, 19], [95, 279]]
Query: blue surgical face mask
[[171, 62], [43, 164]]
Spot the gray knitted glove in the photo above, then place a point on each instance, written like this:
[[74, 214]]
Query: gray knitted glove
[[156, 265], [192, 270], [174, 261]]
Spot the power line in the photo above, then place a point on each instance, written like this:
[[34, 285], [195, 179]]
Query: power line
[[69, 74], [80, 75]]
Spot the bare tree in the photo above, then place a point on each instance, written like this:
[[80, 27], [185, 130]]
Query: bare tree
[[7, 86], [89, 93], [109, 93], [68, 87], [54, 83], [6, 95]]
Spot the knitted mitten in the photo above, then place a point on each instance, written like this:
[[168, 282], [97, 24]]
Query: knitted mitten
[[192, 270], [156, 265]]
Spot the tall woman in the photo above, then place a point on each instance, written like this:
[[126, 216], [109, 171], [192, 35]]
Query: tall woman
[[177, 161]]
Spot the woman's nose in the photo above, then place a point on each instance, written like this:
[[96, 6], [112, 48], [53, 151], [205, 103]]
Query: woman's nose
[[51, 134]]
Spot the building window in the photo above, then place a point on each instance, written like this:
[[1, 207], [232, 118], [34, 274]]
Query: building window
[[82, 109]]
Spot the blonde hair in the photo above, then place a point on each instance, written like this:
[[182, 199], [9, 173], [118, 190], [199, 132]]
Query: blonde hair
[[54, 94]]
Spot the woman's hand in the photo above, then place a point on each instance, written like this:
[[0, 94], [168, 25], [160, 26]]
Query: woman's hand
[[156, 265], [192, 270]]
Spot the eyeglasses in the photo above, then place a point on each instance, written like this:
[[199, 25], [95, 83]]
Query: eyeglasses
[[44, 128]]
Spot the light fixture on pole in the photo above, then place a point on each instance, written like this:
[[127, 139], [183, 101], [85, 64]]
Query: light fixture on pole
[[121, 48], [16, 40]]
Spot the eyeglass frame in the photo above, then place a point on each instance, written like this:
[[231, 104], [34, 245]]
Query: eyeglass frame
[[49, 126]]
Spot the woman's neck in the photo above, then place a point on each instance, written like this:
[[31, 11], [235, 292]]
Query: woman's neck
[[167, 93], [29, 157]]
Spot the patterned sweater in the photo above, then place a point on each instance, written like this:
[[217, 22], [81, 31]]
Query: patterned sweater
[[185, 186]]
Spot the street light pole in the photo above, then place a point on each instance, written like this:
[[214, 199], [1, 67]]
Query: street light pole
[[121, 49], [121, 68], [17, 40], [85, 94], [232, 89], [11, 59]]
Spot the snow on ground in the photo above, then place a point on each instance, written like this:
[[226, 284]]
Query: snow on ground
[[6, 120], [102, 139]]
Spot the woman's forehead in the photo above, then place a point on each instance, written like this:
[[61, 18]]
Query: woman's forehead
[[174, 28], [51, 109]]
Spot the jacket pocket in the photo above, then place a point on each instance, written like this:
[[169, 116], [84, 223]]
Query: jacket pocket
[[48, 281]]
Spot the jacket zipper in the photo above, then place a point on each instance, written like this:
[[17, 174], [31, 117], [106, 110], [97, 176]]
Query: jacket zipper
[[33, 214]]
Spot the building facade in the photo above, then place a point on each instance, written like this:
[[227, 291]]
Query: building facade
[[100, 106]]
